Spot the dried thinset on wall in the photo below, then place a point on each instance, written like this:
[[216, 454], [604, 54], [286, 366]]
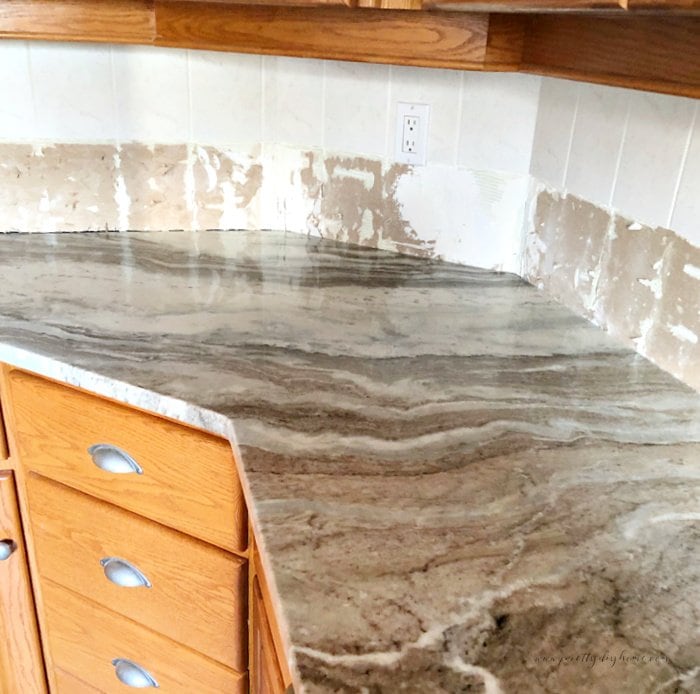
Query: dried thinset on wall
[[433, 211], [71, 187], [358, 203], [640, 283]]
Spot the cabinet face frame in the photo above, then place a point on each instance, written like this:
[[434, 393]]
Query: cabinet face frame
[[21, 663], [4, 448], [14, 464], [264, 626], [267, 675]]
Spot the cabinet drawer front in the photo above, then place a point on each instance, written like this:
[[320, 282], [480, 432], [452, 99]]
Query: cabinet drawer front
[[84, 639], [71, 685], [197, 592], [188, 479]]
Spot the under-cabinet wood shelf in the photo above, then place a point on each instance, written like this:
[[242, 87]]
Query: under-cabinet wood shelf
[[643, 44]]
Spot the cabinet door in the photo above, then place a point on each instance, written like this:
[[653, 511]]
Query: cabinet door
[[21, 664], [265, 671]]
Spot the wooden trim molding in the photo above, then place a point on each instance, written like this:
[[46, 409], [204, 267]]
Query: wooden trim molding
[[642, 52], [642, 44], [405, 38], [108, 21], [256, 572], [524, 5]]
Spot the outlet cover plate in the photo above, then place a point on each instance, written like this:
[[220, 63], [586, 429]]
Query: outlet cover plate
[[419, 155]]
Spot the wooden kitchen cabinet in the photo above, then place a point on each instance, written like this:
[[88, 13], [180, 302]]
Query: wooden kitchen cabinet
[[76, 536], [138, 549], [21, 665], [269, 671], [57, 438], [85, 640], [266, 671], [4, 450], [589, 40]]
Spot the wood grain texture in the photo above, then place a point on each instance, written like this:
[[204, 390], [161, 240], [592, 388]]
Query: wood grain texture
[[259, 579], [283, 3], [522, 5], [664, 5], [263, 606], [189, 481], [65, 682], [505, 41], [21, 491], [21, 666], [643, 52], [267, 678], [4, 450], [459, 34], [116, 21], [84, 639], [391, 4], [73, 532], [407, 38]]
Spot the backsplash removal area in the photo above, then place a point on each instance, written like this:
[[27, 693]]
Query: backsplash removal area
[[591, 193], [640, 283], [614, 225], [194, 140], [462, 215]]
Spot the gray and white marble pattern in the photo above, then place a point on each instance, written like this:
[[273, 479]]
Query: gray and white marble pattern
[[460, 485]]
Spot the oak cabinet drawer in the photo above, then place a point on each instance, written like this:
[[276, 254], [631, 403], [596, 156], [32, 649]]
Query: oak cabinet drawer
[[85, 640], [193, 593], [187, 478], [68, 683]]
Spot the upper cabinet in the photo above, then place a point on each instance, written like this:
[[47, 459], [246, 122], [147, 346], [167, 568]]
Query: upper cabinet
[[643, 44]]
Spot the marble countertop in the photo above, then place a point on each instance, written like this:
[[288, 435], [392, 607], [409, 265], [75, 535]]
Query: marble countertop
[[460, 485]]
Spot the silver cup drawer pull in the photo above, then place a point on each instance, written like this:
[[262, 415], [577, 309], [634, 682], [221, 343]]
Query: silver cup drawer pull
[[6, 549], [112, 459], [133, 675], [123, 573]]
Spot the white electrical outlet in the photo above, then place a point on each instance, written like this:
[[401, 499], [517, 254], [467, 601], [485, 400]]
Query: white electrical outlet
[[409, 143], [412, 133]]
